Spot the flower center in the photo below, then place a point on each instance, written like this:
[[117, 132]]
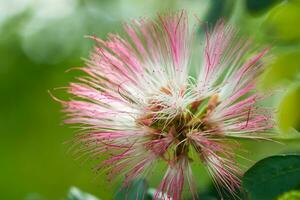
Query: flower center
[[169, 136]]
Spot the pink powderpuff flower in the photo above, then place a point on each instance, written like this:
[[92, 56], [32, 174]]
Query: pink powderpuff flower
[[137, 104]]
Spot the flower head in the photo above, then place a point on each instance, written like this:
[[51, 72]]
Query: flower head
[[138, 105]]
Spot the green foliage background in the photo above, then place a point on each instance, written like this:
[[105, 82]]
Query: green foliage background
[[40, 40]]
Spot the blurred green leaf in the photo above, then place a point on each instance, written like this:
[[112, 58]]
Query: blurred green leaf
[[272, 176], [283, 21], [219, 9], [285, 67], [291, 195], [289, 115], [76, 194], [63, 38], [259, 5], [137, 190], [34, 196]]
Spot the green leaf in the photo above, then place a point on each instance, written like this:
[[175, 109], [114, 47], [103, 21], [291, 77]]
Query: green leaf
[[219, 9], [282, 22], [284, 68], [259, 5], [290, 195], [76, 194], [272, 176], [288, 113], [137, 190]]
